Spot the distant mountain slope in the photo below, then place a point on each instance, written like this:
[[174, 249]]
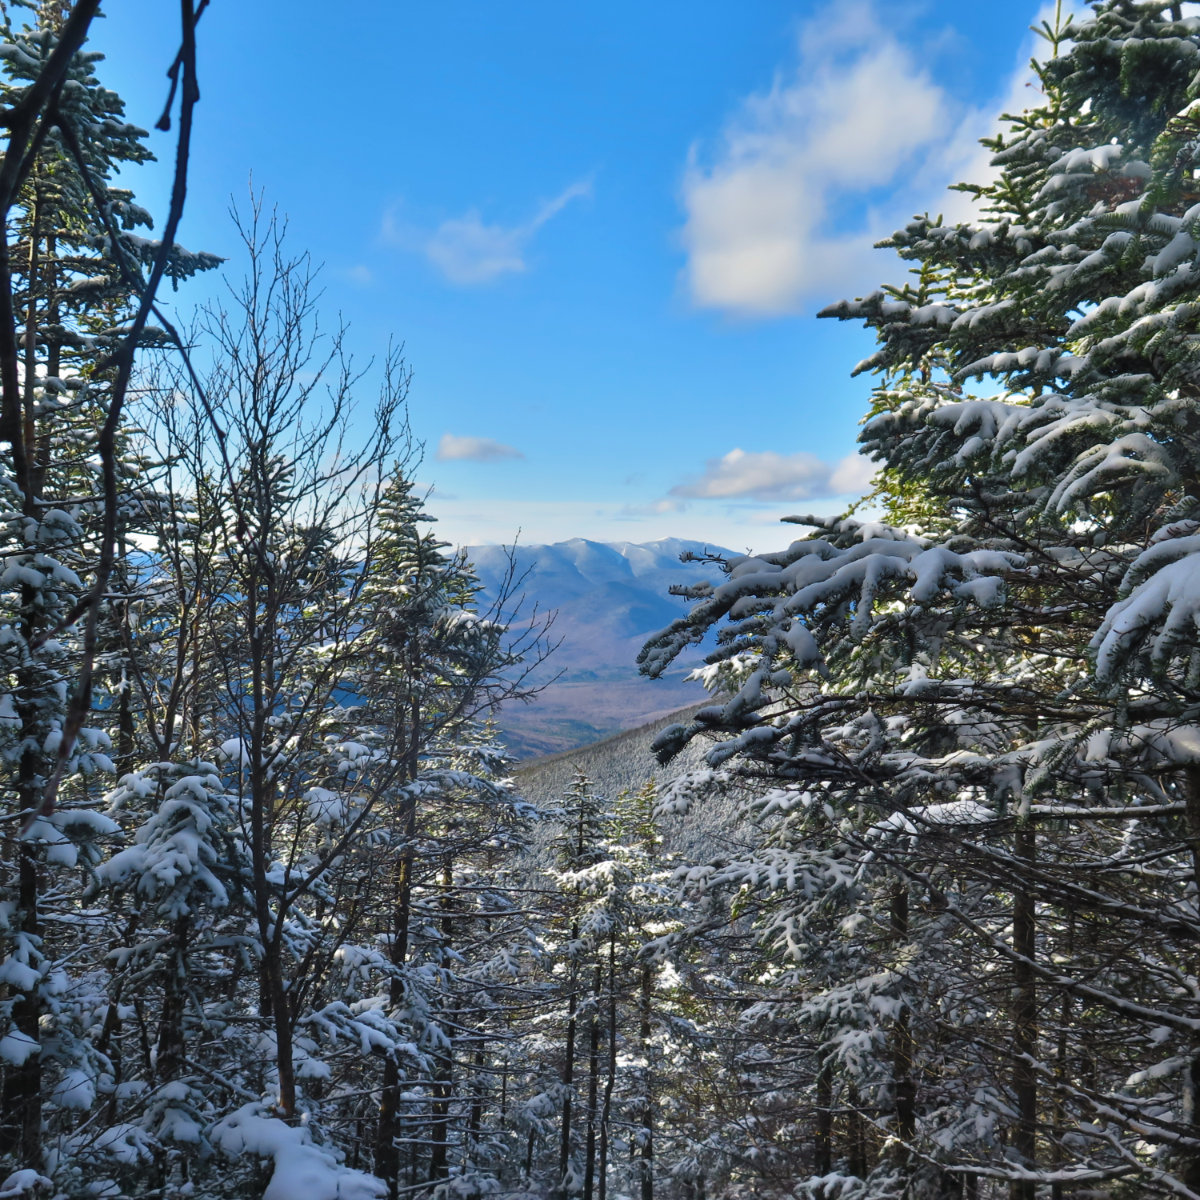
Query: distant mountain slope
[[621, 762], [609, 597]]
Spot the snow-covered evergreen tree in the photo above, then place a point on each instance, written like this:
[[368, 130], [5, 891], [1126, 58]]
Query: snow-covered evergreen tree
[[71, 280], [983, 725]]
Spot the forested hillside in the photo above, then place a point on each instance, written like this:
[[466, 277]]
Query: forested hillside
[[622, 762], [911, 908]]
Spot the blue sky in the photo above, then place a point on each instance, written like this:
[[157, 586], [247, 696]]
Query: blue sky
[[601, 231]]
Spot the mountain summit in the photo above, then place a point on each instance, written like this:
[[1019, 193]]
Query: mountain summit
[[609, 597]]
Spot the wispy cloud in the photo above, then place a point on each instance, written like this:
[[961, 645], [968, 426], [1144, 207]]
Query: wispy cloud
[[768, 476], [856, 111], [474, 449], [469, 250]]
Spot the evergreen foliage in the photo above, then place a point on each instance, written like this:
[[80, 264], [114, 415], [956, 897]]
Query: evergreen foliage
[[977, 719], [267, 886], [274, 921]]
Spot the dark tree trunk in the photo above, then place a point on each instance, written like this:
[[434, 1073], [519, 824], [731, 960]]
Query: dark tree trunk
[[645, 1029], [21, 1096], [170, 1049], [443, 1088], [439, 1147], [903, 1083], [568, 1079], [387, 1129], [262, 612], [387, 1158], [475, 1118], [1191, 1076], [610, 1077], [589, 1158], [1063, 1065], [824, 1135], [856, 1150], [1024, 1019]]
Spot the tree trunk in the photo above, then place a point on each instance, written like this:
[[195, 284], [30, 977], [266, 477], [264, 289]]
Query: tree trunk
[[903, 1083], [645, 1029], [439, 1134], [273, 1000], [443, 1088], [262, 613], [387, 1158], [1190, 1172], [281, 1020], [824, 1134], [589, 1159], [1062, 1068], [21, 1097], [610, 1078], [475, 1118], [856, 1151], [170, 1049], [1024, 1017], [568, 1076]]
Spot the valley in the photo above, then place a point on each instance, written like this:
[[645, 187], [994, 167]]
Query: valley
[[608, 597]]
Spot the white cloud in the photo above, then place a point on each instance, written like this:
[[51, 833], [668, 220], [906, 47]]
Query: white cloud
[[468, 250], [852, 475], [768, 476], [474, 449], [765, 230]]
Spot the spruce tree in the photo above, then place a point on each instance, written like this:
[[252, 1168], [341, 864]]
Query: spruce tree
[[993, 714], [71, 281]]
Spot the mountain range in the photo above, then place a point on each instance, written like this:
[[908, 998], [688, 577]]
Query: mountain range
[[608, 597]]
